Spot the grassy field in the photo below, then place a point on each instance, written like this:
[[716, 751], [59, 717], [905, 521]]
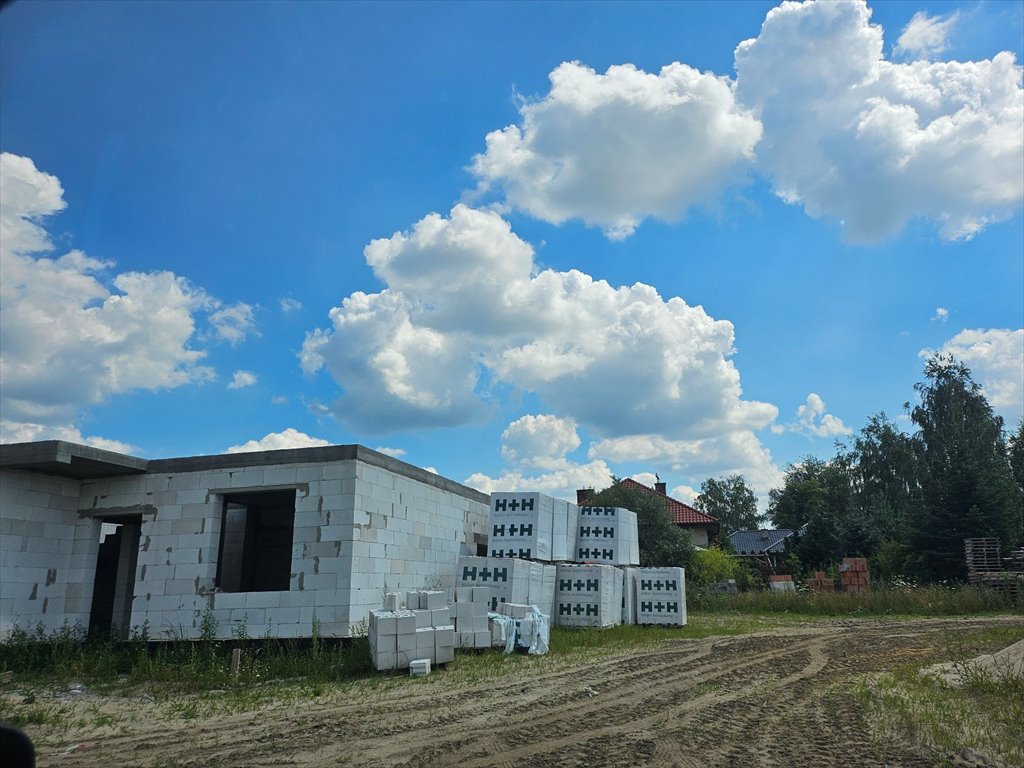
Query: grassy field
[[192, 681]]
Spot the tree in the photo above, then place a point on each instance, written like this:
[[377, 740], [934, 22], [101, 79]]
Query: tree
[[885, 470], [968, 487], [1016, 446], [816, 494], [731, 501], [662, 543], [710, 566]]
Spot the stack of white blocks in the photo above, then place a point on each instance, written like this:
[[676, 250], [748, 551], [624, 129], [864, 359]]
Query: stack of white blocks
[[532, 526], [509, 580], [422, 631], [629, 595], [469, 616], [607, 535], [521, 525], [588, 596], [661, 596]]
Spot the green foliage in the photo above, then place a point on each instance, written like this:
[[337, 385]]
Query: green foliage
[[908, 501], [897, 601], [662, 543], [968, 485], [885, 471], [710, 566], [1016, 451], [65, 655], [892, 562], [730, 500], [819, 495]]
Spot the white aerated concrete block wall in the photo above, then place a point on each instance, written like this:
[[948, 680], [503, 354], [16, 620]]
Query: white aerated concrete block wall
[[359, 530], [406, 534], [178, 540], [47, 553]]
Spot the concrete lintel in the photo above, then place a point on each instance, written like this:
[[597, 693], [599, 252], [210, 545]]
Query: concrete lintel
[[260, 489], [129, 511]]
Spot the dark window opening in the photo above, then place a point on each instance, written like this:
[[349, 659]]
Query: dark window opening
[[256, 541]]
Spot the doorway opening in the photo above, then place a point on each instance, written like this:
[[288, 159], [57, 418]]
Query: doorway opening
[[114, 584]]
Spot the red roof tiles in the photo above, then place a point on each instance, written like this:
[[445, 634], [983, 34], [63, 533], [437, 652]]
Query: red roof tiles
[[682, 514]]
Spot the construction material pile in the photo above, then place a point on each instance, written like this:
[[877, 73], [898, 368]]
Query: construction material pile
[[421, 630], [821, 582], [549, 561], [853, 572]]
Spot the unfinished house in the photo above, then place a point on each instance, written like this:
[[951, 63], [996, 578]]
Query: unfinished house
[[265, 540]]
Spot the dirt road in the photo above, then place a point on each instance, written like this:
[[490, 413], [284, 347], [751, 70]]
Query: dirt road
[[779, 698]]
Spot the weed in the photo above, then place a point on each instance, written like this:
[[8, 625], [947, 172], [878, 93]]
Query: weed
[[900, 600], [982, 714]]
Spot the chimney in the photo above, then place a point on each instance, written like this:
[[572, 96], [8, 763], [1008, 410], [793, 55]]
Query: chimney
[[583, 496], [659, 486]]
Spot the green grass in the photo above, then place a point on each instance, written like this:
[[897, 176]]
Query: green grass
[[181, 666], [67, 656], [983, 715], [905, 601]]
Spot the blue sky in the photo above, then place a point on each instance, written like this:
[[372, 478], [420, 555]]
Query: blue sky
[[785, 224]]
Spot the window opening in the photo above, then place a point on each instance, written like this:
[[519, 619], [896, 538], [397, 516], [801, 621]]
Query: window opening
[[256, 541]]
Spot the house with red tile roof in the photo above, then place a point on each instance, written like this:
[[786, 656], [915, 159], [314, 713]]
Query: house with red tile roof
[[702, 528]]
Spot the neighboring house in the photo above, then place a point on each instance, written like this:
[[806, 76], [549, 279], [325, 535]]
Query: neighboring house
[[765, 545], [268, 540], [702, 528]]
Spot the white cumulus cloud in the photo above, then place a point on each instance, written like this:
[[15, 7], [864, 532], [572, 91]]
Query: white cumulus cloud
[[613, 149], [996, 359], [731, 452], [233, 323], [427, 350], [20, 432], [540, 441], [926, 35], [396, 453], [276, 441], [871, 143], [242, 379], [813, 421], [73, 332], [70, 335], [941, 314], [288, 304], [561, 483]]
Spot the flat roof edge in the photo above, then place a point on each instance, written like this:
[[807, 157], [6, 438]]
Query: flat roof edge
[[315, 455], [82, 461], [68, 459]]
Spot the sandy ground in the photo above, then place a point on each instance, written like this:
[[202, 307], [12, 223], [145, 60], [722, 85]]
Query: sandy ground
[[777, 698], [1008, 661]]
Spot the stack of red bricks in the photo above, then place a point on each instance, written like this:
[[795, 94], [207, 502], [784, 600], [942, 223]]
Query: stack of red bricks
[[781, 583], [821, 582], [854, 573]]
